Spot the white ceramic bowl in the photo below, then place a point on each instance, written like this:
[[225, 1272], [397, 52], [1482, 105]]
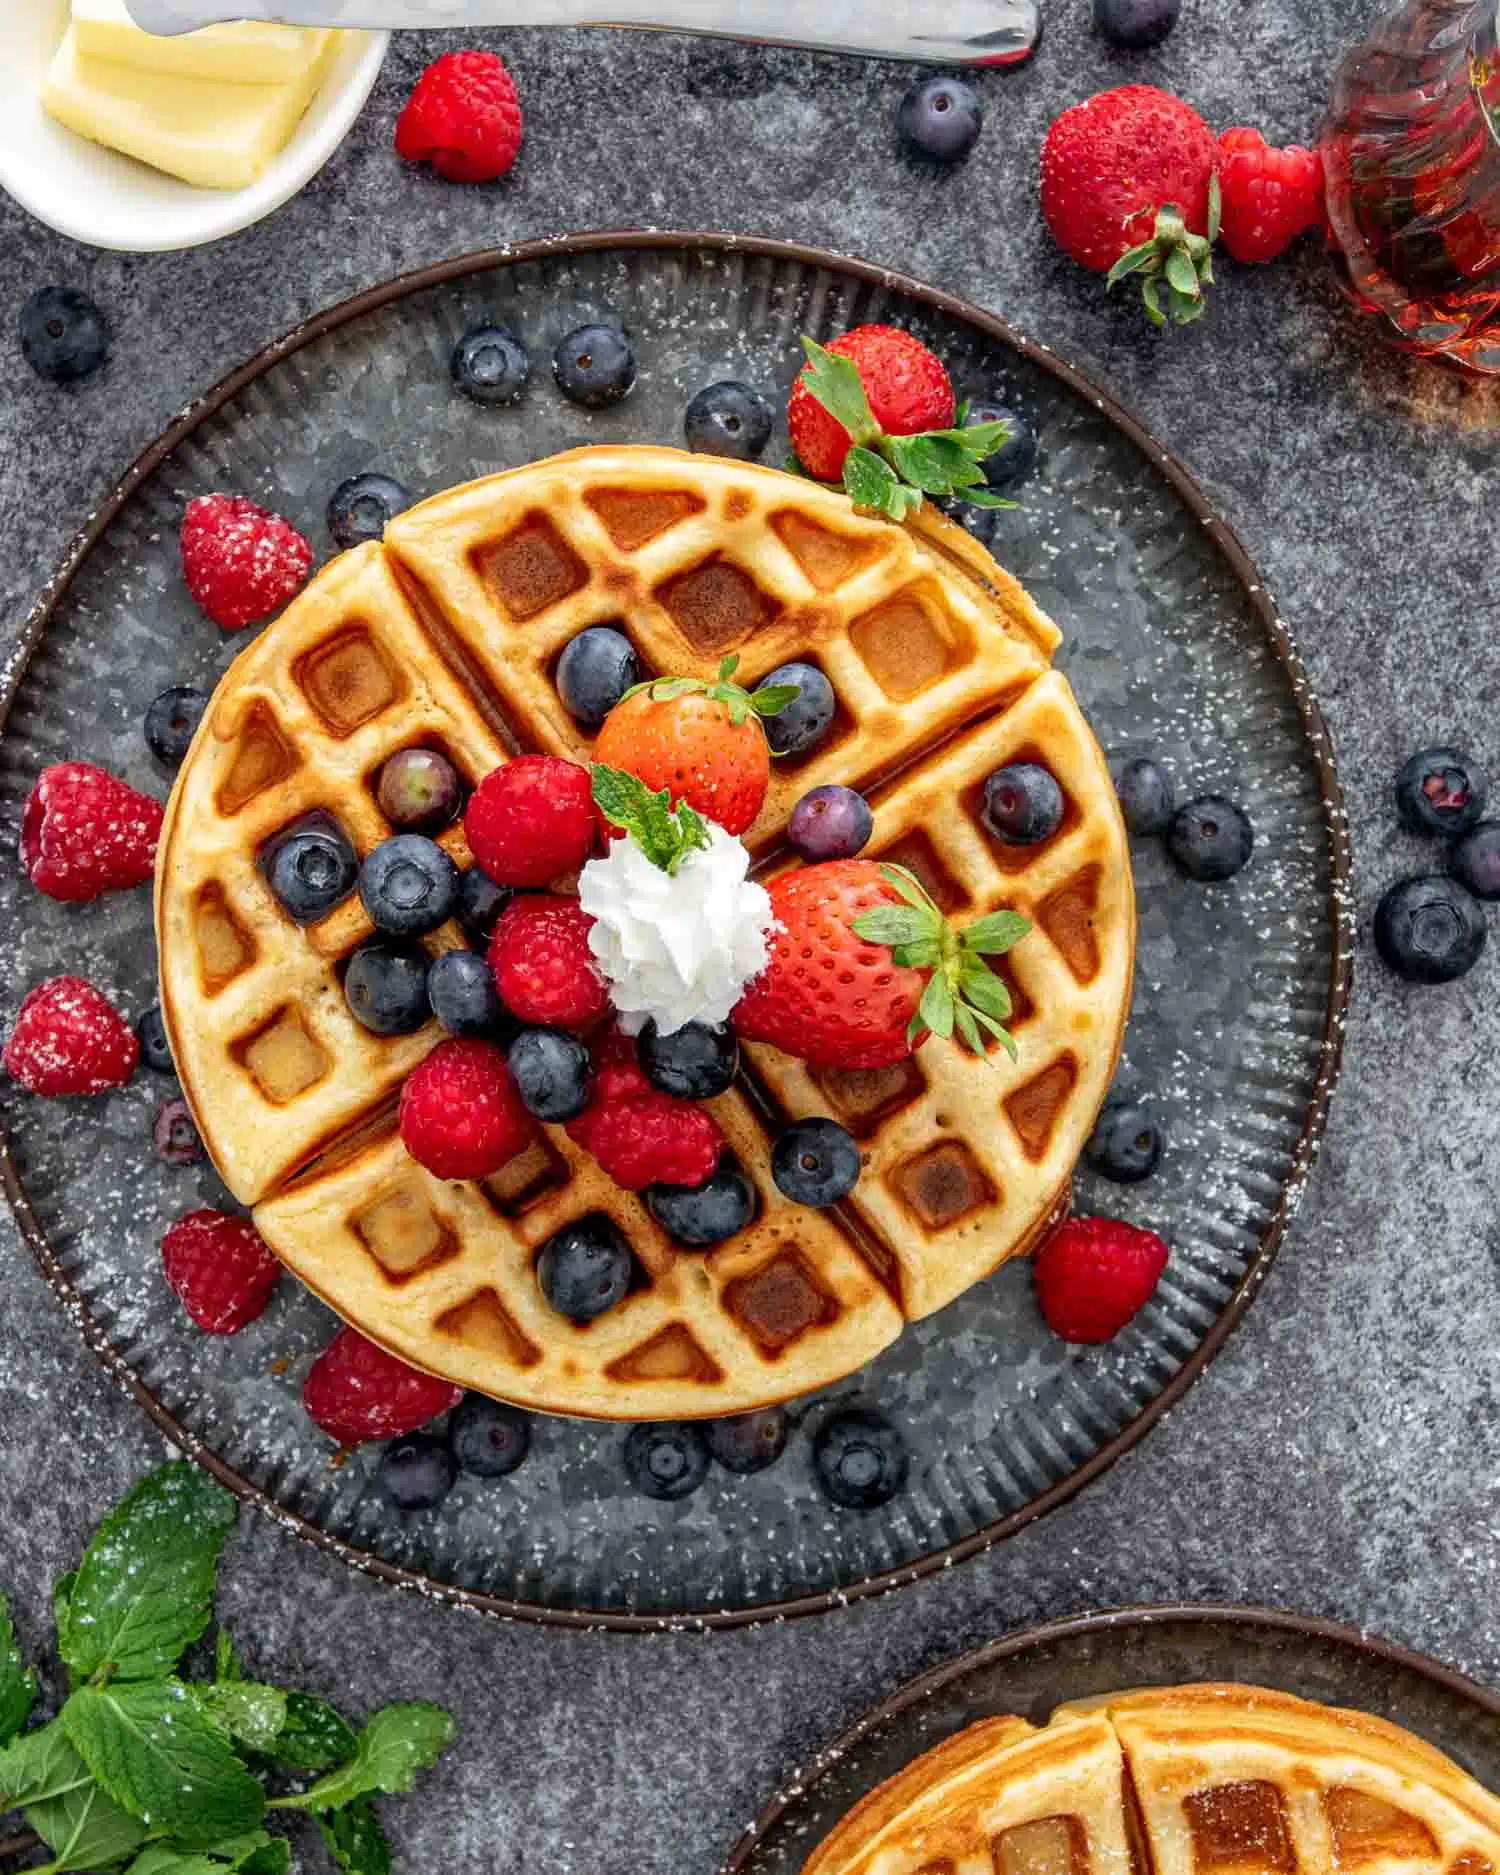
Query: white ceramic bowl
[[108, 200]]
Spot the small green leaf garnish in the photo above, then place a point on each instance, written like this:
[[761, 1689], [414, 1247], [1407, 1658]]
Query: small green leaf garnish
[[664, 834]]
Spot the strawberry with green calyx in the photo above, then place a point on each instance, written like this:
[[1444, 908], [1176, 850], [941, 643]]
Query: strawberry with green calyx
[[1175, 258], [666, 835]]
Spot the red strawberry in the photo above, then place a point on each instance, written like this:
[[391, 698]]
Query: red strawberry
[[1270, 196], [649, 1139], [543, 966], [907, 387], [70, 1039], [241, 561], [357, 1391], [531, 820], [1094, 1275], [84, 833], [221, 1269], [463, 117], [461, 1116]]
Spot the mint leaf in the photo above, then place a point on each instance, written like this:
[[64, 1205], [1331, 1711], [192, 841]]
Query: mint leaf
[[663, 835], [158, 1756], [398, 1742], [835, 381], [17, 1681], [144, 1590], [314, 1736], [39, 1765], [251, 1715], [157, 1859], [272, 1857], [227, 1663], [43, 1775], [894, 924], [355, 1839], [998, 932], [254, 1854]]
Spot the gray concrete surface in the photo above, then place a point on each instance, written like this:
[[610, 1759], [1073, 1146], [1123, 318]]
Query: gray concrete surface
[[1342, 1454]]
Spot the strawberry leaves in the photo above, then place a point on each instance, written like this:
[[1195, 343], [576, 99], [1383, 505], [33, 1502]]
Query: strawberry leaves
[[1175, 258], [742, 704], [666, 835]]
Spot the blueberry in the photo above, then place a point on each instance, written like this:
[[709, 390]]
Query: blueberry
[[815, 1162], [385, 987], [174, 1137], [585, 1268], [416, 1471], [666, 1462], [1441, 791], [594, 672], [312, 869], [487, 1438], [830, 822], [1126, 1144], [1147, 797], [980, 522], [490, 365], [360, 508], [728, 419], [1015, 459], [64, 336], [695, 1062], [1136, 24], [462, 994], [860, 1459], [697, 1217], [151, 1031], [806, 719], [480, 903], [1475, 860], [940, 118], [1430, 929], [594, 366], [408, 885], [170, 722], [748, 1442], [419, 791], [1210, 838], [551, 1071], [1023, 805]]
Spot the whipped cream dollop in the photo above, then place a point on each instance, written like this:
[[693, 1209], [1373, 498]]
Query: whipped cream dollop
[[676, 947]]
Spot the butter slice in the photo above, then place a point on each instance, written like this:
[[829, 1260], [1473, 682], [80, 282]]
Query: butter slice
[[249, 53], [216, 135]]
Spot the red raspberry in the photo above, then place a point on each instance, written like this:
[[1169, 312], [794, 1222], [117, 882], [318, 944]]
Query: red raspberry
[[461, 1116], [70, 1039], [221, 1269], [908, 390], [1094, 1275], [357, 1391], [463, 117], [1270, 196], [650, 1139], [241, 562], [83, 833], [543, 965], [617, 1069], [532, 820]]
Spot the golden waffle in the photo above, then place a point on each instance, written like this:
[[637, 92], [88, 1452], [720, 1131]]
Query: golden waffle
[[1185, 1780], [446, 635]]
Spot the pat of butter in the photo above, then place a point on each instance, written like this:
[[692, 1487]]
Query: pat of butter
[[246, 54], [219, 136]]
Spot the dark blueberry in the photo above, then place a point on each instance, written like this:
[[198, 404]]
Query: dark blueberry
[[749, 1441], [174, 1137], [312, 870], [551, 1071], [860, 1459], [585, 1268], [1023, 804], [1014, 460], [385, 987], [697, 1217], [1147, 797], [462, 994], [695, 1062], [1441, 791], [806, 719], [156, 1053], [815, 1162], [419, 791], [594, 672], [170, 723], [488, 1438], [1136, 24], [940, 118], [416, 1471], [1430, 929], [728, 419], [490, 365], [666, 1462], [361, 508], [480, 903], [830, 822], [1210, 838], [64, 336], [1475, 860], [594, 366], [408, 885], [1126, 1144]]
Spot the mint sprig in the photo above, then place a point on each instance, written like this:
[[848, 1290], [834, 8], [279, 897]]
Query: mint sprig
[[17, 1681], [666, 835], [1173, 257], [769, 700], [397, 1743]]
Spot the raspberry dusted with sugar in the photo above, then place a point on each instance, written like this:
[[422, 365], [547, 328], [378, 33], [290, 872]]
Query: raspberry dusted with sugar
[[356, 1391], [650, 1139], [84, 833], [241, 561], [461, 1116], [1094, 1276], [70, 1039], [463, 117], [543, 966], [531, 820], [220, 1268], [1270, 196]]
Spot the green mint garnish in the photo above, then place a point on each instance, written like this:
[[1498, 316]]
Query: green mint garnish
[[1175, 258], [396, 1744], [664, 834], [17, 1681]]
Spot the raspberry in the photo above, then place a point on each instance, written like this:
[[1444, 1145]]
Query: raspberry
[[220, 1268], [357, 1391], [1094, 1275], [70, 1039], [83, 833], [650, 1139], [463, 117], [531, 820], [461, 1116], [241, 562], [543, 965], [907, 387], [618, 1074], [1270, 196]]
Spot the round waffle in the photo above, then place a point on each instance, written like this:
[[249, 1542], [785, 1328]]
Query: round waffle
[[446, 636]]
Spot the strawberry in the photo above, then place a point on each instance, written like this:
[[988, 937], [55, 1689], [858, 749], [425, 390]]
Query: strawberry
[[649, 1139], [1270, 196], [543, 966], [906, 386], [531, 820], [461, 1116], [1094, 1275], [221, 1269], [463, 117], [241, 561], [84, 833], [356, 1391], [70, 1039]]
